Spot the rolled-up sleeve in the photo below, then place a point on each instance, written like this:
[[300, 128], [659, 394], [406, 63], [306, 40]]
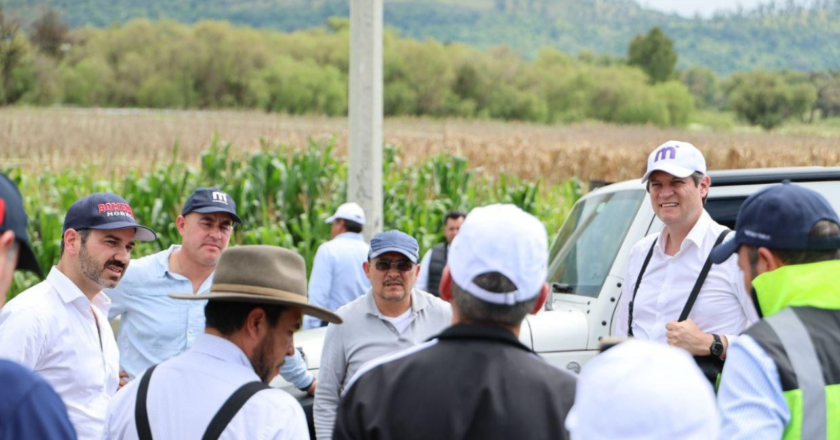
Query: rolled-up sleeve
[[320, 284], [294, 371], [330, 378]]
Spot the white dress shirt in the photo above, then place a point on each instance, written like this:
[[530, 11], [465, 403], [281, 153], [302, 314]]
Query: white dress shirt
[[423, 277], [186, 391], [723, 306], [52, 329]]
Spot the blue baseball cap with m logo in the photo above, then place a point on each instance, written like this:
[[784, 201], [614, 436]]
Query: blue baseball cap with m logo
[[676, 158]]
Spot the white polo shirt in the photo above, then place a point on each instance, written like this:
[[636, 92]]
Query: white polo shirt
[[50, 329], [186, 391], [723, 306]]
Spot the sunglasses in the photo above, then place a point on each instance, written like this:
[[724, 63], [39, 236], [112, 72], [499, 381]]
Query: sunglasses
[[386, 265]]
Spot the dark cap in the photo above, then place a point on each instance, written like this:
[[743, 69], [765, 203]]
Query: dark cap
[[394, 241], [780, 217], [209, 200], [105, 211], [13, 218]]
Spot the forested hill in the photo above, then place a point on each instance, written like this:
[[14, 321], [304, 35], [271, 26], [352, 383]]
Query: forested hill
[[783, 36]]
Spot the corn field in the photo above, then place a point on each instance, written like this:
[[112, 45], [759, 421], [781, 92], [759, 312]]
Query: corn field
[[283, 195]]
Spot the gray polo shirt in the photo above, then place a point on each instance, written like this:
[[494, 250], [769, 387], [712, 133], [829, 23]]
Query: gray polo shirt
[[364, 336]]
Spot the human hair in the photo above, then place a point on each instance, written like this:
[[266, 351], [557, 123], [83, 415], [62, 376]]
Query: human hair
[[228, 317], [84, 233], [352, 226], [475, 309], [821, 229], [453, 215]]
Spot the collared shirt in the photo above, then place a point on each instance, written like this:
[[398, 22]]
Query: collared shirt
[[186, 391], [337, 274], [750, 398], [53, 329], [29, 408], [423, 277], [723, 306], [364, 336], [470, 382], [155, 327]]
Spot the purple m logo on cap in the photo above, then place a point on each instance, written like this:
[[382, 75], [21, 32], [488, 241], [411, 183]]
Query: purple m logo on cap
[[663, 153]]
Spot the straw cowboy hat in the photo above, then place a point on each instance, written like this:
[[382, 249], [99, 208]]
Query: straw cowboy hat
[[262, 274]]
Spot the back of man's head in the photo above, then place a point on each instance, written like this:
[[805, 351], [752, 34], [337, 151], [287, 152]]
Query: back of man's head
[[643, 390], [15, 251], [497, 266]]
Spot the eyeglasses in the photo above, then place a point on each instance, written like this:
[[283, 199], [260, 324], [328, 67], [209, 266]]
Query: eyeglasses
[[386, 265]]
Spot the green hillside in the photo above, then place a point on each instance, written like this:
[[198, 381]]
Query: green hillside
[[772, 37]]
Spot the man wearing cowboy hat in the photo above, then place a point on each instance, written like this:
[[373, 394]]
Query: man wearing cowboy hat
[[219, 385]]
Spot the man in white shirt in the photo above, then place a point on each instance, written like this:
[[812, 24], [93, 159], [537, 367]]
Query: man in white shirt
[[392, 316], [666, 267], [59, 327], [218, 386], [432, 264], [337, 276]]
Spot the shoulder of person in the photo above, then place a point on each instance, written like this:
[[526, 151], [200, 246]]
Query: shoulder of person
[[17, 382], [643, 245], [40, 300], [278, 400], [353, 307], [558, 376], [433, 301], [141, 267]]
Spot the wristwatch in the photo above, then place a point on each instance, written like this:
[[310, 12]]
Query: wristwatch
[[717, 346]]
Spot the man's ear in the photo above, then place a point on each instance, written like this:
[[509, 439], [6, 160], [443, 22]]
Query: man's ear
[[768, 260], [541, 300], [366, 267], [71, 245], [181, 224], [256, 323], [445, 288]]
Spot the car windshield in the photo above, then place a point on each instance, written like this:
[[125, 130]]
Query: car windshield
[[586, 246]]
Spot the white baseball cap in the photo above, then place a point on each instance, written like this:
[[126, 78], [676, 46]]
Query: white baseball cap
[[639, 390], [349, 211], [676, 158], [503, 239]]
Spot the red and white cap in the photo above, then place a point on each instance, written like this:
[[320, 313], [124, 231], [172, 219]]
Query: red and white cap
[[676, 158], [349, 211], [503, 239]]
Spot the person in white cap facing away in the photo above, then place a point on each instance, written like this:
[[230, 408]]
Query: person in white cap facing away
[[641, 390], [672, 293], [392, 316], [337, 276], [218, 388], [475, 380]]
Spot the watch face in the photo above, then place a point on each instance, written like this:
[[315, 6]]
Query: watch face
[[717, 348]]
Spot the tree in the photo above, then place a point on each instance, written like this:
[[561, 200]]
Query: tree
[[13, 52], [654, 53], [766, 99], [49, 32], [702, 83]]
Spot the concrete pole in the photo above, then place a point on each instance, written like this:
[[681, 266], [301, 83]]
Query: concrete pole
[[366, 90]]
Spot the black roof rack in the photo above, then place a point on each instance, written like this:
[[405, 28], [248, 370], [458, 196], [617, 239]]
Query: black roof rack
[[758, 176]]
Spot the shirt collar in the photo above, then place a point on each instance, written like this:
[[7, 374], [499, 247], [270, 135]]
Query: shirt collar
[[484, 332], [69, 292], [695, 236], [418, 303], [222, 349], [350, 236], [162, 259]]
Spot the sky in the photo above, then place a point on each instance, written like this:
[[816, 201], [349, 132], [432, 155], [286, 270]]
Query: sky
[[688, 8]]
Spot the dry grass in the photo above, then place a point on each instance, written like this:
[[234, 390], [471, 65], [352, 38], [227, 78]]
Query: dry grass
[[38, 139]]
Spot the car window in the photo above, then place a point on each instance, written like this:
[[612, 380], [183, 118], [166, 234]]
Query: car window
[[724, 210], [589, 240]]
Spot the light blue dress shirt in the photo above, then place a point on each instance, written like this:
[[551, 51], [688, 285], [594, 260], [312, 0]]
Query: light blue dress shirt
[[155, 327], [750, 397], [337, 275]]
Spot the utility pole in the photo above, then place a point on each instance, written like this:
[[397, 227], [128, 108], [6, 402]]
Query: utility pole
[[366, 102]]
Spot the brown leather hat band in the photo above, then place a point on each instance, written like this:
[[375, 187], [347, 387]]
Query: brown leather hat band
[[263, 291]]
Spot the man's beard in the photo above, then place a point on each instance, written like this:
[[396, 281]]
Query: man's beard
[[263, 359], [92, 270]]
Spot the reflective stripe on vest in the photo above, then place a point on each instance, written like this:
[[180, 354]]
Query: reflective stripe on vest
[[803, 357]]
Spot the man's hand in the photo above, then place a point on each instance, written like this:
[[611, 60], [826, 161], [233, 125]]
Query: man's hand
[[123, 380], [688, 336], [311, 389]]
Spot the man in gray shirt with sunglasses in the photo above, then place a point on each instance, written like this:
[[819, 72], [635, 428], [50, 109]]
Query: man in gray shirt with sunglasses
[[390, 317]]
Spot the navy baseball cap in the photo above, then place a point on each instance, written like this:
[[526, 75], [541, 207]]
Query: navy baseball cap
[[105, 211], [210, 200], [394, 241], [780, 217], [13, 218]]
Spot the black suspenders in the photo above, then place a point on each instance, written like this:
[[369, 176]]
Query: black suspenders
[[692, 298], [220, 421]]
